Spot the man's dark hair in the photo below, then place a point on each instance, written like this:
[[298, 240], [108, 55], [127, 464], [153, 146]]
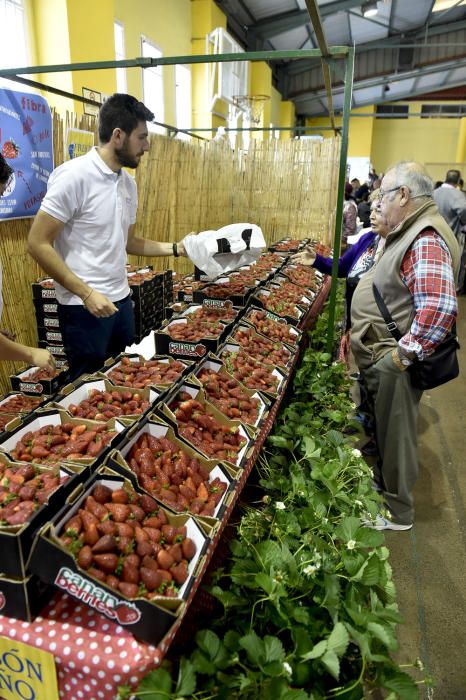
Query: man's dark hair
[[6, 171], [123, 112], [438, 184], [452, 177]]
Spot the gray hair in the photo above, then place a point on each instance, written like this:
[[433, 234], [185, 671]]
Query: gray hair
[[414, 176]]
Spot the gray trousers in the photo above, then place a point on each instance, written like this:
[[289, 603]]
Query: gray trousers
[[396, 406]]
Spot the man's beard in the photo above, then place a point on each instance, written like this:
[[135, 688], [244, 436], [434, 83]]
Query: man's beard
[[125, 159]]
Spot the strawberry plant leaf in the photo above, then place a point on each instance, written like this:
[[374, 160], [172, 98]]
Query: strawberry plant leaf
[[273, 649], [208, 642], [331, 662], [347, 529], [186, 684], [338, 640], [264, 581], [319, 650], [371, 574], [157, 685], [403, 686], [231, 640], [369, 538], [384, 634], [254, 647], [202, 664]]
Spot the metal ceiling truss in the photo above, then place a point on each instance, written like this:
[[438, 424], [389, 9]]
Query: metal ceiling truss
[[383, 79]]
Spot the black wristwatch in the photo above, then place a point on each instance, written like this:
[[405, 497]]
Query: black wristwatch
[[175, 250]]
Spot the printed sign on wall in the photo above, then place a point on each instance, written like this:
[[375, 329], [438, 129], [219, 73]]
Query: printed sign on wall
[[27, 146], [77, 143]]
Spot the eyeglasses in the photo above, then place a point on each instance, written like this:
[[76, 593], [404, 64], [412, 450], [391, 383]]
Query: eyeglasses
[[382, 193]]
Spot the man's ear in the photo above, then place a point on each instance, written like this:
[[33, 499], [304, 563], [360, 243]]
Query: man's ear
[[118, 136], [404, 196]]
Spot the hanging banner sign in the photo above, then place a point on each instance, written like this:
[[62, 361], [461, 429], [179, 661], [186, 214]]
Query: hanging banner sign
[[26, 672], [27, 146], [77, 143]]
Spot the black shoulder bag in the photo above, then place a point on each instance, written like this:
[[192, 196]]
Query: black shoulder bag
[[436, 369]]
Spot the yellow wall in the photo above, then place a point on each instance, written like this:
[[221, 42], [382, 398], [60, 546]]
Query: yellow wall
[[48, 26], [261, 84], [165, 23], [287, 118], [429, 141], [275, 100], [206, 17], [360, 134], [90, 32]]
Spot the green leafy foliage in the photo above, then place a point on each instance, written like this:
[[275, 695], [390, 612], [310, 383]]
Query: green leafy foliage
[[308, 597]]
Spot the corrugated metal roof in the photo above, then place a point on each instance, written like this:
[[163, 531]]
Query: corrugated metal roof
[[290, 40], [404, 37], [268, 8]]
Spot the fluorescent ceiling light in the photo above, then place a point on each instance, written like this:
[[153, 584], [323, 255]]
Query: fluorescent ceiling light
[[369, 9]]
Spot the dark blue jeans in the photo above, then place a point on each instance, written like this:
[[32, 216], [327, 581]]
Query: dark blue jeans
[[89, 340]]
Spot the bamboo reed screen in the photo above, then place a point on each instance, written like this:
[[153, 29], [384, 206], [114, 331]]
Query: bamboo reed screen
[[286, 187]]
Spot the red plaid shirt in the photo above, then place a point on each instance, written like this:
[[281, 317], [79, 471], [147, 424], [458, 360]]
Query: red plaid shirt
[[428, 273]]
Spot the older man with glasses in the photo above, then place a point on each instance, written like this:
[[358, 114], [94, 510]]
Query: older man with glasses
[[415, 277]]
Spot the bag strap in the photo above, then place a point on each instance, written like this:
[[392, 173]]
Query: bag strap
[[390, 324]]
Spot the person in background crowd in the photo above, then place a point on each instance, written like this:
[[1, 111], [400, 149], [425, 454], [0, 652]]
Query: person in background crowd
[[372, 177], [415, 276], [364, 210], [355, 184], [9, 350], [451, 204], [350, 215], [461, 185], [85, 227], [438, 184]]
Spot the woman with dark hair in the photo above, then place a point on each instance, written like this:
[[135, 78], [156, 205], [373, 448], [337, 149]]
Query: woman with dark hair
[[357, 259]]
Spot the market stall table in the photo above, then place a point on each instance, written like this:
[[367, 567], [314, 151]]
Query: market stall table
[[93, 655]]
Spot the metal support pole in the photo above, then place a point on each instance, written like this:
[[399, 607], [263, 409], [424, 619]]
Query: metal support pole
[[340, 198]]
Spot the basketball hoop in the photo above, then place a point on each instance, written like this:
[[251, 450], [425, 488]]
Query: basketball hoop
[[252, 105]]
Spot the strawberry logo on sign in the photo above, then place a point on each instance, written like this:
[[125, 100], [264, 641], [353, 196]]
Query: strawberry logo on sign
[[126, 614], [10, 150]]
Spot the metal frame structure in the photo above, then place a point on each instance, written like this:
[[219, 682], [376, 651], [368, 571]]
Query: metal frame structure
[[331, 58]]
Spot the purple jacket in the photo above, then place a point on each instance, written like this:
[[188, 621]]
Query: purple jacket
[[348, 259]]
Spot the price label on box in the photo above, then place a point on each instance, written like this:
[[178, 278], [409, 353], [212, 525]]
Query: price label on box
[[26, 672]]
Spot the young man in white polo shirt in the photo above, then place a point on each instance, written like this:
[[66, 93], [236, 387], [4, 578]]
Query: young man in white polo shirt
[[85, 227]]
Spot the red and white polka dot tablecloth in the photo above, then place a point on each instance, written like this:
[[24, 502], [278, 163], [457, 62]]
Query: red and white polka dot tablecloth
[[93, 655]]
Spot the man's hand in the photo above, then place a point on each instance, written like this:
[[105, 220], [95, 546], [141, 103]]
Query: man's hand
[[42, 358], [98, 305], [180, 246], [306, 257]]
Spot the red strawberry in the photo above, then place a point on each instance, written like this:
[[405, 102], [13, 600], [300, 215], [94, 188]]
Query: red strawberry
[[189, 548], [106, 562]]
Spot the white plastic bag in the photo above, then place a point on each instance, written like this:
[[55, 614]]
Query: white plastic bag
[[218, 252]]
